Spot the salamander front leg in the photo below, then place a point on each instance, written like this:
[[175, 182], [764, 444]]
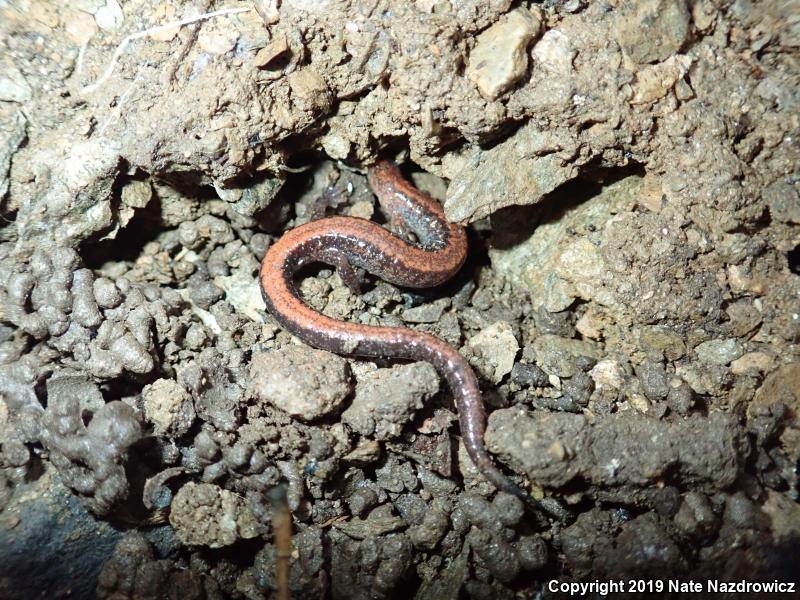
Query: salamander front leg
[[339, 260]]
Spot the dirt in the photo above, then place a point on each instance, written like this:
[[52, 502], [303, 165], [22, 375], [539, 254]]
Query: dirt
[[629, 175]]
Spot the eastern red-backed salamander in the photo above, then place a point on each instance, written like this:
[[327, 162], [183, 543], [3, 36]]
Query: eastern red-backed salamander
[[347, 242]]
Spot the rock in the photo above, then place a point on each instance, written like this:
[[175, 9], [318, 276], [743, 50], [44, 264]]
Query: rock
[[696, 516], [653, 378], [526, 166], [554, 52], [367, 451], [752, 362], [309, 90], [549, 261], [680, 397], [654, 30], [499, 58], [302, 382], [245, 297], [77, 203], [784, 203], [581, 262], [744, 318], [655, 81], [13, 86], [526, 375], [386, 399], [557, 355], [56, 548], [577, 391], [495, 347], [782, 386], [135, 194], [110, 16], [168, 406], [203, 514], [660, 340], [219, 38], [620, 449], [79, 26], [275, 49], [718, 352], [253, 198], [427, 313]]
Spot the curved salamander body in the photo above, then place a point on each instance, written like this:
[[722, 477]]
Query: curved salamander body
[[345, 242]]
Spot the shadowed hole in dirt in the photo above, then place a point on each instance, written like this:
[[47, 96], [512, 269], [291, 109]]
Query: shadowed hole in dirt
[[519, 222], [793, 259], [129, 241], [144, 226]]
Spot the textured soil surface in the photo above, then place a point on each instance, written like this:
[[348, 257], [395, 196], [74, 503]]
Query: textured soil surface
[[631, 303]]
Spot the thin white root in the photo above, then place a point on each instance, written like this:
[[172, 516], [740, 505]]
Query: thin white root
[[140, 34], [118, 108]]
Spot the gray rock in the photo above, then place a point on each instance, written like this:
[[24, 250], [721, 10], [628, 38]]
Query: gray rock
[[784, 203], [303, 382], [654, 30], [493, 350], [56, 549], [426, 313], [13, 87], [526, 166], [557, 355], [578, 389], [680, 397], [621, 449], [548, 260], [386, 399], [526, 375], [719, 352], [653, 378], [696, 516]]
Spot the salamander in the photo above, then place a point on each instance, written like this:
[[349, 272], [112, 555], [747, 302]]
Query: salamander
[[349, 242]]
